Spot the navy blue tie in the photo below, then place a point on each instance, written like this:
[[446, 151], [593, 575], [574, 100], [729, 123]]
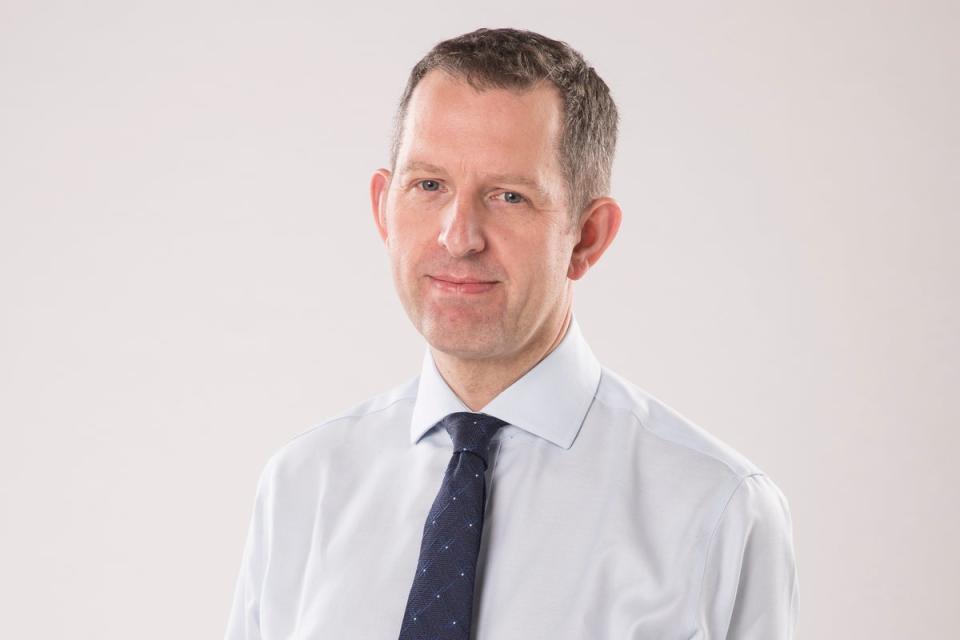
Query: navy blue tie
[[440, 604]]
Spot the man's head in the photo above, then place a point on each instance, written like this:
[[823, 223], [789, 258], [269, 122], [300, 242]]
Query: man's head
[[481, 186], [522, 60]]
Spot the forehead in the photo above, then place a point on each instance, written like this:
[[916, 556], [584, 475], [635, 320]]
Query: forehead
[[494, 130]]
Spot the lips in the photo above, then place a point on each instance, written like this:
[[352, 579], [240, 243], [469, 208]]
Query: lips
[[463, 285], [459, 280]]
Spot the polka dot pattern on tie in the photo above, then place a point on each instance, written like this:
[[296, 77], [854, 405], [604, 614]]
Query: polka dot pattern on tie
[[440, 602]]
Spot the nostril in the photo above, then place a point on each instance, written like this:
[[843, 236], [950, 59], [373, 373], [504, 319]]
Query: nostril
[[460, 241]]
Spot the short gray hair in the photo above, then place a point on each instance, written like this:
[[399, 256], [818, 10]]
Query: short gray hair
[[517, 59]]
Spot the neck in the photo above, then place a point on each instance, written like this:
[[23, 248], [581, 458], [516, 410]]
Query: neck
[[477, 382]]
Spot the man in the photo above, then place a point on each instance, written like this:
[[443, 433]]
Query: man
[[514, 489]]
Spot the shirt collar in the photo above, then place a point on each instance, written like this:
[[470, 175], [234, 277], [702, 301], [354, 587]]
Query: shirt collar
[[550, 400]]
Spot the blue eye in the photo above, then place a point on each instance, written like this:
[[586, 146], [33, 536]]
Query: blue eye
[[512, 197], [429, 185]]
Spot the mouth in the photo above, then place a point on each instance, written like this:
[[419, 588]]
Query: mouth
[[451, 284]]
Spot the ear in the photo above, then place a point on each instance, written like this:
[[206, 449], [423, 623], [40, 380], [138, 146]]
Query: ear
[[600, 222], [379, 185]]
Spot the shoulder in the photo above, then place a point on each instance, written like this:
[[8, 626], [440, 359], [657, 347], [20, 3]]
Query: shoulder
[[323, 439], [657, 420], [736, 496]]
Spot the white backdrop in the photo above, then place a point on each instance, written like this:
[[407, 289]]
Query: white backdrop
[[190, 276]]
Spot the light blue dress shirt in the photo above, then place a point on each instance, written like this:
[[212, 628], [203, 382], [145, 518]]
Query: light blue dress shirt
[[608, 516]]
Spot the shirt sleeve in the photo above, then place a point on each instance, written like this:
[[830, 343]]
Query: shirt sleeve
[[750, 588], [244, 620]]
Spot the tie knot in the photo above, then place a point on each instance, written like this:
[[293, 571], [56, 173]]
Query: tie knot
[[471, 431]]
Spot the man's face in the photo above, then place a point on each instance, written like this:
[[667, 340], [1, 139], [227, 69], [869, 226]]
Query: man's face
[[478, 195]]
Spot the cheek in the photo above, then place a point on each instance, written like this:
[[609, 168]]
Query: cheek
[[538, 261], [410, 256], [404, 263]]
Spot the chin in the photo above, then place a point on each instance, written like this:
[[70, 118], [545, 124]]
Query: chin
[[460, 339]]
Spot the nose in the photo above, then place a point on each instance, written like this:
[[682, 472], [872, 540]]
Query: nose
[[462, 229]]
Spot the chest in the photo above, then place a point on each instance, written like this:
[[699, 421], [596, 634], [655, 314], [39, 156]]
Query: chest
[[569, 549]]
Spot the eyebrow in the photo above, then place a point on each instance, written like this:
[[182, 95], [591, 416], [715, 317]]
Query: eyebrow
[[509, 178]]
